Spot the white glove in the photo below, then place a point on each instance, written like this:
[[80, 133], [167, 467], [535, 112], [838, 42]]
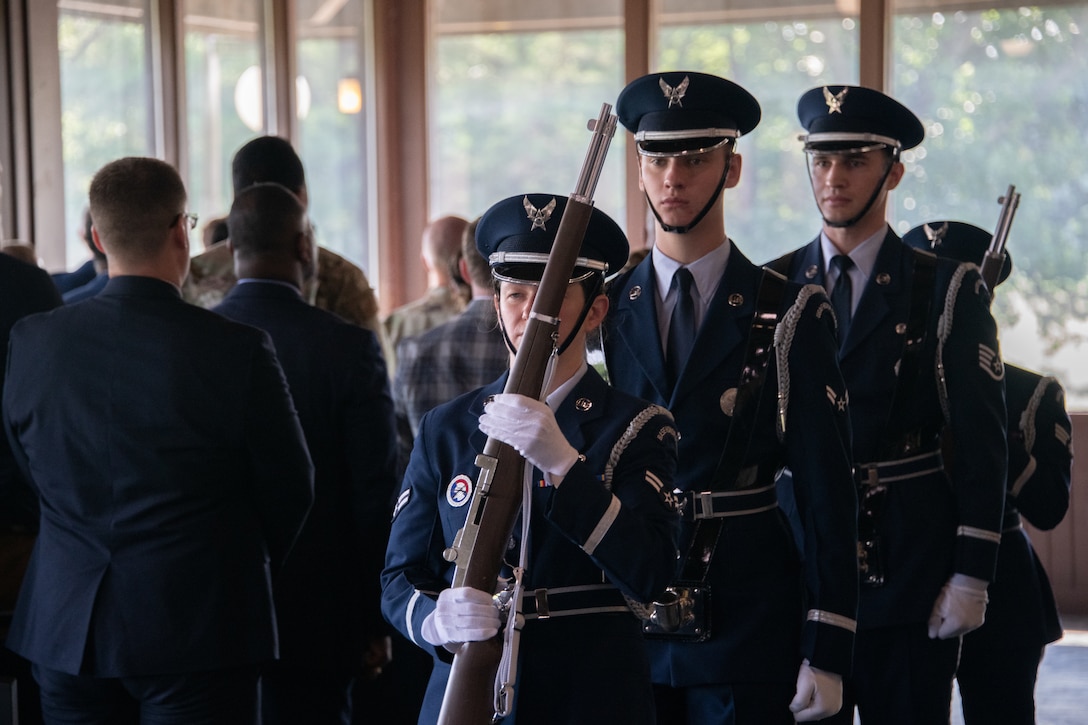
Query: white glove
[[819, 694], [463, 614], [960, 607], [529, 426]]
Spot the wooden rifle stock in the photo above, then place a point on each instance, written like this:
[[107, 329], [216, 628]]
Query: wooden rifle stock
[[994, 258], [478, 549]]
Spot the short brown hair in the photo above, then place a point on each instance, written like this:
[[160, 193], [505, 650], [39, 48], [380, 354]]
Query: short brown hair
[[134, 201]]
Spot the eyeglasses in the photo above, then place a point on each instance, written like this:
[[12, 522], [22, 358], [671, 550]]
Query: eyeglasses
[[190, 219]]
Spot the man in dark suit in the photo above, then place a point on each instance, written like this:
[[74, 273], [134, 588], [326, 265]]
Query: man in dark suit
[[327, 597], [172, 475], [24, 290]]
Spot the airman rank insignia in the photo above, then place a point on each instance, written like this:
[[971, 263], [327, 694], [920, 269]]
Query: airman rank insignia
[[634, 293], [402, 501], [667, 496], [839, 402], [834, 100], [459, 491], [990, 362], [674, 95], [728, 401], [539, 217], [1064, 437]]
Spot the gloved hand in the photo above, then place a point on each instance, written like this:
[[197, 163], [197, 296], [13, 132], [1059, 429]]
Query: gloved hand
[[960, 607], [819, 694], [529, 426], [463, 614]]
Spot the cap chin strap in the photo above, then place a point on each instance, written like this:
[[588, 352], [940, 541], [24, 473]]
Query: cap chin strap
[[574, 331], [706, 209], [869, 205]]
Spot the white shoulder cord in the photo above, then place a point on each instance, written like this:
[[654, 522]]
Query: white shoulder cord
[[507, 673]]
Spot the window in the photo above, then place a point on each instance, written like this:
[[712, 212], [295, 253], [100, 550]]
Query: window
[[776, 51], [332, 117], [224, 98], [513, 87], [1002, 95], [105, 97]]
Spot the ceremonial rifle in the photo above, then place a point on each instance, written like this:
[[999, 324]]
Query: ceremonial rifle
[[994, 258], [478, 548]]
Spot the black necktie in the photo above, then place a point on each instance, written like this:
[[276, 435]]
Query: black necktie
[[842, 297], [681, 325]]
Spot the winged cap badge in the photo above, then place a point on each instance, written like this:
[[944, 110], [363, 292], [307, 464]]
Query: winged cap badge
[[539, 217], [834, 101], [935, 236], [675, 95]]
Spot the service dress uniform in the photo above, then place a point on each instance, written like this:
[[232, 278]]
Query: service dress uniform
[[769, 608], [999, 661], [606, 539], [920, 360]]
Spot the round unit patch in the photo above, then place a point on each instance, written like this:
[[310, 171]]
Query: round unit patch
[[459, 491]]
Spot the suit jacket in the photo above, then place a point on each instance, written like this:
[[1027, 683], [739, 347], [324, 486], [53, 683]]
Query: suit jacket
[[611, 521], [468, 350], [760, 591], [327, 596], [24, 290], [173, 479], [948, 521]]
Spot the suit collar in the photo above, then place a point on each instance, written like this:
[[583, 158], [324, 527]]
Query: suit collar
[[134, 285], [264, 289]]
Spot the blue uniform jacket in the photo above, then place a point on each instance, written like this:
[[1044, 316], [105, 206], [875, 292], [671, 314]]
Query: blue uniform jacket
[[768, 608], [612, 520], [1022, 611], [949, 520], [173, 479]]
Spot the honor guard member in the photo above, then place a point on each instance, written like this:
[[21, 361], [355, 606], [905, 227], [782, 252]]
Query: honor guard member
[[746, 362], [601, 516], [918, 350], [999, 661]]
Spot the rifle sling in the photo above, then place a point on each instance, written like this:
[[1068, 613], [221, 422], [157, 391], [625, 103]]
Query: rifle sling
[[704, 540]]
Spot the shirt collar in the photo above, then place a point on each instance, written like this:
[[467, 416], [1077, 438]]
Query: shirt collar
[[707, 271], [864, 255]]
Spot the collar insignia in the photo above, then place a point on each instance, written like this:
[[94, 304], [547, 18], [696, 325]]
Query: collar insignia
[[834, 101], [675, 95], [539, 217], [935, 236]]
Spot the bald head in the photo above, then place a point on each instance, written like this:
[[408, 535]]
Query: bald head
[[442, 248]]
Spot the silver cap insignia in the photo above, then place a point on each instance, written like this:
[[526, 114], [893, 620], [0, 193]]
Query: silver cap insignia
[[675, 95], [935, 236], [834, 101], [539, 217]]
